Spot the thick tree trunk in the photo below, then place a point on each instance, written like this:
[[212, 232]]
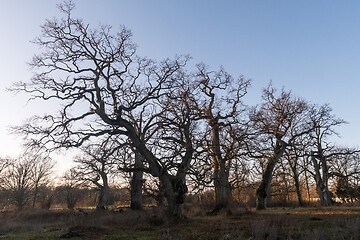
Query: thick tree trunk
[[103, 196], [222, 187], [136, 184], [221, 176], [175, 190], [325, 184], [104, 193], [322, 181], [263, 191]]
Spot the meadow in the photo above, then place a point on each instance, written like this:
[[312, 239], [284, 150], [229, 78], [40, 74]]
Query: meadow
[[233, 223]]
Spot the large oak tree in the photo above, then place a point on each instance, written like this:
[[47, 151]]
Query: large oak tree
[[97, 78]]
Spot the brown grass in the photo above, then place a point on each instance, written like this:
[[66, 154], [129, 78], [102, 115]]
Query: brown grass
[[233, 223]]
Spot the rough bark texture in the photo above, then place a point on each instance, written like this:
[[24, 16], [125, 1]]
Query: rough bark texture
[[263, 191], [136, 184], [175, 190], [221, 175], [222, 187]]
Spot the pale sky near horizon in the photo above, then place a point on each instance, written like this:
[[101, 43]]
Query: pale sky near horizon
[[310, 47]]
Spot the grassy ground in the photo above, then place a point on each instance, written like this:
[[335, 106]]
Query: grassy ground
[[275, 223]]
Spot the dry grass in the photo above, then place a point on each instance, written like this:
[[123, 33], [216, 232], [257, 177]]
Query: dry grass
[[233, 223]]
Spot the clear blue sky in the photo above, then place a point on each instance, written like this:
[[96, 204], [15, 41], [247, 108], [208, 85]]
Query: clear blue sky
[[311, 47]]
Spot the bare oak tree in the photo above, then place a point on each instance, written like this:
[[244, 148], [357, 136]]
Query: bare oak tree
[[217, 101], [97, 77], [41, 174], [70, 191], [278, 122], [18, 181], [323, 152], [95, 166]]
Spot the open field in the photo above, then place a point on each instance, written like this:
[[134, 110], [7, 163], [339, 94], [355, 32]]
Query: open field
[[274, 223]]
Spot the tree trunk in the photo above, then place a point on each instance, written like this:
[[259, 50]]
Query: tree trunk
[[136, 183], [263, 191], [222, 187], [322, 181], [104, 193], [325, 183], [298, 192], [175, 190], [221, 176], [307, 183], [297, 184], [264, 188], [160, 198], [35, 195]]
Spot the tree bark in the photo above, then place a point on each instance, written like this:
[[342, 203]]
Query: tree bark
[[221, 176], [297, 184], [298, 192], [263, 191], [104, 193], [175, 190], [136, 184], [325, 183], [222, 187], [322, 181]]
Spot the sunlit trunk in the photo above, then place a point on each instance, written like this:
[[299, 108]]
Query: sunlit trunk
[[325, 184], [221, 176], [322, 181]]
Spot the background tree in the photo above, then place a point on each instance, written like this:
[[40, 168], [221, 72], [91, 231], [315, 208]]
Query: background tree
[[18, 181], [324, 123], [41, 174], [4, 163], [295, 156], [217, 101], [273, 121], [154, 190], [95, 166], [70, 191], [346, 168]]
